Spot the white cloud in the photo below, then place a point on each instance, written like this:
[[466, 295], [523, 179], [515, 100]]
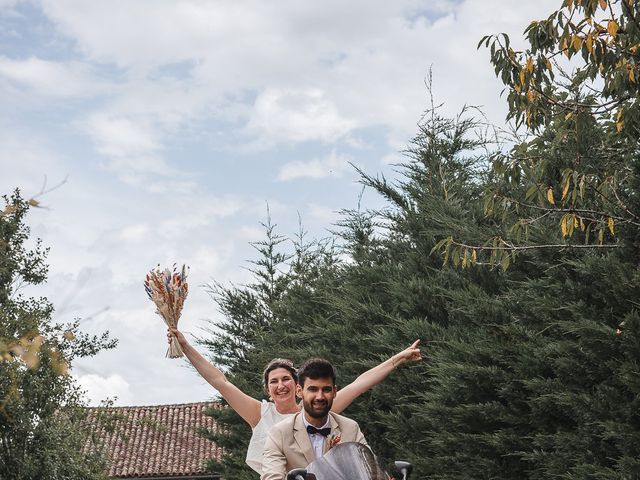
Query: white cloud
[[58, 79], [132, 150], [99, 388], [333, 165], [134, 233], [8, 10], [394, 158], [297, 116], [321, 214], [119, 137], [320, 71], [28, 161]]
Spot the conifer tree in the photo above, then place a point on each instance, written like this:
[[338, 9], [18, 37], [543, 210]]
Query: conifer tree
[[261, 322]]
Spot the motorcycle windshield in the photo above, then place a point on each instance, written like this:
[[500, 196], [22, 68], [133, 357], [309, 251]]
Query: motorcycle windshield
[[347, 461]]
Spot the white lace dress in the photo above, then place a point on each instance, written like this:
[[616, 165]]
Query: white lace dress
[[269, 416]]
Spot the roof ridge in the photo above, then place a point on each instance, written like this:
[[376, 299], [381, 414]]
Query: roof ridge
[[210, 402]]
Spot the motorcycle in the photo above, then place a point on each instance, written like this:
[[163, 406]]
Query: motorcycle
[[348, 461]]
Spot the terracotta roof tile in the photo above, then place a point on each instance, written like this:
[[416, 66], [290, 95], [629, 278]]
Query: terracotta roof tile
[[153, 441]]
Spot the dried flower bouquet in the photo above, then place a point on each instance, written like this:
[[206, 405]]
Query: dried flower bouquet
[[168, 290]]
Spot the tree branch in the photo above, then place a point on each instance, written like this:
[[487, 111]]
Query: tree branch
[[573, 210], [512, 247]]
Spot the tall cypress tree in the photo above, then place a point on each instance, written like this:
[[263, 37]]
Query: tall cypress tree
[[261, 321]]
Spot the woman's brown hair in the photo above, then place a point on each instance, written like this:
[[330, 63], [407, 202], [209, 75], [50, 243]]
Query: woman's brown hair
[[279, 363]]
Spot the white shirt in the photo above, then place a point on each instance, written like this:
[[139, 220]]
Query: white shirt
[[317, 440]]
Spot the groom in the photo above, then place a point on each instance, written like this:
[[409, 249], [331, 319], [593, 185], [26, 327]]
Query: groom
[[307, 435]]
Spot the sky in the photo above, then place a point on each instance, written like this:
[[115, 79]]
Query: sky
[[163, 132]]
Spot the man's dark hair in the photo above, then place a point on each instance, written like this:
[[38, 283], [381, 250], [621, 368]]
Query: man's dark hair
[[316, 368]]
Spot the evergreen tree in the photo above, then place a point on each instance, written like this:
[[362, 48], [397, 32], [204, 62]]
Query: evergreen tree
[[399, 291], [260, 323], [41, 407]]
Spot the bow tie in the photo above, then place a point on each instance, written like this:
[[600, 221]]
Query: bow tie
[[322, 431]]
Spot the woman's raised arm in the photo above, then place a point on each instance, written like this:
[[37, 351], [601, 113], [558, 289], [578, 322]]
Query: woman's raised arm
[[372, 377], [244, 405]]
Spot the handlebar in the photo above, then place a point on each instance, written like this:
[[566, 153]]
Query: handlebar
[[404, 468], [297, 474]]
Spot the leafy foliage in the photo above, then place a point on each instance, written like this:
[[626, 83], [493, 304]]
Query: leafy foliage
[[575, 90], [41, 407]]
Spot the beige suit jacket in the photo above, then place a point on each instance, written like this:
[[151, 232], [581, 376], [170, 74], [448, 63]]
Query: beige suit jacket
[[288, 445]]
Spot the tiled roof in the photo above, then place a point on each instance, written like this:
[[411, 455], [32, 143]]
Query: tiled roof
[[154, 441]]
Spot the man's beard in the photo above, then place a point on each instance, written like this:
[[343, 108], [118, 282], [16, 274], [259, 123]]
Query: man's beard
[[317, 413]]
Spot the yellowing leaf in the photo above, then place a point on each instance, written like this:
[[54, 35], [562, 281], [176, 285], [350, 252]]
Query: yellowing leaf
[[563, 227], [474, 256], [619, 121], [10, 209], [61, 367], [550, 196], [611, 225], [576, 42], [505, 261], [529, 65], [30, 359], [521, 77], [565, 190], [68, 335], [58, 363], [590, 44], [632, 75], [612, 28], [17, 350], [33, 202]]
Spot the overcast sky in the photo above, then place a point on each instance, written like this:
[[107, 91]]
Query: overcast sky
[[176, 122]]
